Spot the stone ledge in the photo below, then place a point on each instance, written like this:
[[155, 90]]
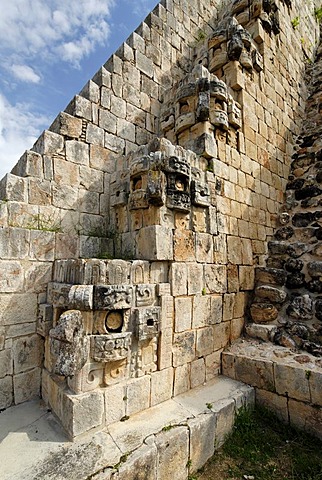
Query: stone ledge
[[287, 382], [170, 440]]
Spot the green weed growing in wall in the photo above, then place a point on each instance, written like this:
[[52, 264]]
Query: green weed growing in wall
[[295, 22]]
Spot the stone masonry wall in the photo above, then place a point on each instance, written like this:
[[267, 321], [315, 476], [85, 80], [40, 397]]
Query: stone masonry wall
[[62, 197], [287, 299]]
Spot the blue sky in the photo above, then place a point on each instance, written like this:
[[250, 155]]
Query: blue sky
[[49, 49]]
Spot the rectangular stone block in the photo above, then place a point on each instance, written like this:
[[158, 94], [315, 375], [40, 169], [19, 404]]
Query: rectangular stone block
[[181, 379], [179, 278], [173, 453], [161, 386], [81, 413], [26, 385], [140, 465], [13, 188], [197, 373], [39, 191], [183, 313], [165, 348], [114, 403], [154, 243], [195, 279], [80, 107], [5, 363], [49, 143], [213, 365], [305, 417], [315, 382], [274, 402], [6, 392], [138, 395], [67, 125], [215, 278], [255, 372], [11, 278], [29, 165], [228, 361], [183, 348], [17, 308], [77, 152], [27, 353], [91, 91], [292, 381], [204, 342], [204, 248], [201, 311], [202, 440], [42, 245]]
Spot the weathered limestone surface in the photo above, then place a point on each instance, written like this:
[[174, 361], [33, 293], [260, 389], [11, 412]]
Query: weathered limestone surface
[[170, 439], [286, 381], [131, 231]]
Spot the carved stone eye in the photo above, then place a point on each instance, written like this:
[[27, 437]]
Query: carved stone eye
[[137, 183], [114, 321], [179, 185]]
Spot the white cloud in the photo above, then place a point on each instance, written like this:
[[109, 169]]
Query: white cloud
[[19, 129], [46, 30], [25, 73]]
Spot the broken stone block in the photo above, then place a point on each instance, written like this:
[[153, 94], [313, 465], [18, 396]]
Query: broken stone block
[[69, 346]]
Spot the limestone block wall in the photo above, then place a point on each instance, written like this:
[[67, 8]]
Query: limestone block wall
[[61, 200]]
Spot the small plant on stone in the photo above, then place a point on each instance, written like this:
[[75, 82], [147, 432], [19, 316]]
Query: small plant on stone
[[209, 406], [45, 223], [295, 22], [166, 428], [318, 14]]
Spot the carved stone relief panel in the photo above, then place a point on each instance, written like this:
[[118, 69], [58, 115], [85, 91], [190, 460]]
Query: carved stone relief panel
[[145, 295], [110, 348], [147, 322], [113, 297]]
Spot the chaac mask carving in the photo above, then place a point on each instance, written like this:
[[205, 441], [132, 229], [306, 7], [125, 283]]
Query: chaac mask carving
[[69, 346]]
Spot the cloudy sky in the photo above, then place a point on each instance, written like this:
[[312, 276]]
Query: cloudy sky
[[49, 49]]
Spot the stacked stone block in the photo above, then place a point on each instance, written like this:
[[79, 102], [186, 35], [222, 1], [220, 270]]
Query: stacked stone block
[[288, 289], [287, 382], [195, 206]]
